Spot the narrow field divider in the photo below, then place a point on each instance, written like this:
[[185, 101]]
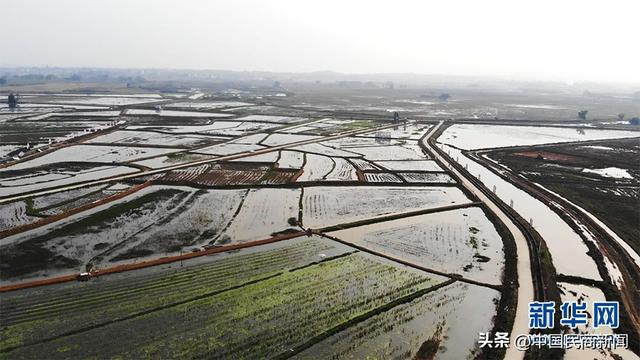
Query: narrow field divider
[[149, 263], [396, 216], [50, 219], [142, 313], [360, 318], [413, 265]]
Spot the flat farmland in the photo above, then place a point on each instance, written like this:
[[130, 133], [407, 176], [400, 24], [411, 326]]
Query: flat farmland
[[324, 206], [154, 221], [391, 152], [597, 177], [343, 170], [407, 131], [459, 241], [264, 212], [90, 154], [410, 165], [448, 319], [23, 180], [378, 177], [422, 177], [291, 160], [15, 214], [232, 174], [206, 316], [150, 138], [316, 167], [355, 244]]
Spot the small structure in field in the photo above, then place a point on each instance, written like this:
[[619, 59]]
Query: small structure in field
[[582, 114], [12, 100]]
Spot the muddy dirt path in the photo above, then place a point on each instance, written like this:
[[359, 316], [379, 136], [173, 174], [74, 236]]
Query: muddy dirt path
[[525, 289], [611, 247]]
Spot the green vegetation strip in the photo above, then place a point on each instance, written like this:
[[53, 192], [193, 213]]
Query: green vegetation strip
[[264, 317], [30, 210], [191, 280], [324, 260], [182, 282], [138, 314], [284, 311], [31, 317], [360, 318]]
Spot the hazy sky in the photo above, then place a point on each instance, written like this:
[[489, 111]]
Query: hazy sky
[[545, 39]]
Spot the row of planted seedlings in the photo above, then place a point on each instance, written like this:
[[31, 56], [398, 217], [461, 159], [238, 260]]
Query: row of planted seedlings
[[281, 312], [36, 314]]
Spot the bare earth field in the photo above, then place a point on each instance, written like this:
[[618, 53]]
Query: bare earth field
[[306, 223]]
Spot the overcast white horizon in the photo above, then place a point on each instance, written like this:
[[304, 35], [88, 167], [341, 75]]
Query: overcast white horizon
[[546, 40]]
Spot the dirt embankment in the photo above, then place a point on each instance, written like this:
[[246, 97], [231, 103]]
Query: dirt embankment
[[53, 218], [629, 294], [542, 269], [149, 263]]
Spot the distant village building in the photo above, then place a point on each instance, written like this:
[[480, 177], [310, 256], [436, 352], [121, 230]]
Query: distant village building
[[12, 101]]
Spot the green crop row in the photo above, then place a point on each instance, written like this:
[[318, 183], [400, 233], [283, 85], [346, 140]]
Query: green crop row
[[70, 309], [261, 317], [21, 302]]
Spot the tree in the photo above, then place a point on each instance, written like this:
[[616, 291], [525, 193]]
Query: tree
[[621, 117], [635, 121], [3, 80], [13, 101], [582, 115], [444, 97]]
